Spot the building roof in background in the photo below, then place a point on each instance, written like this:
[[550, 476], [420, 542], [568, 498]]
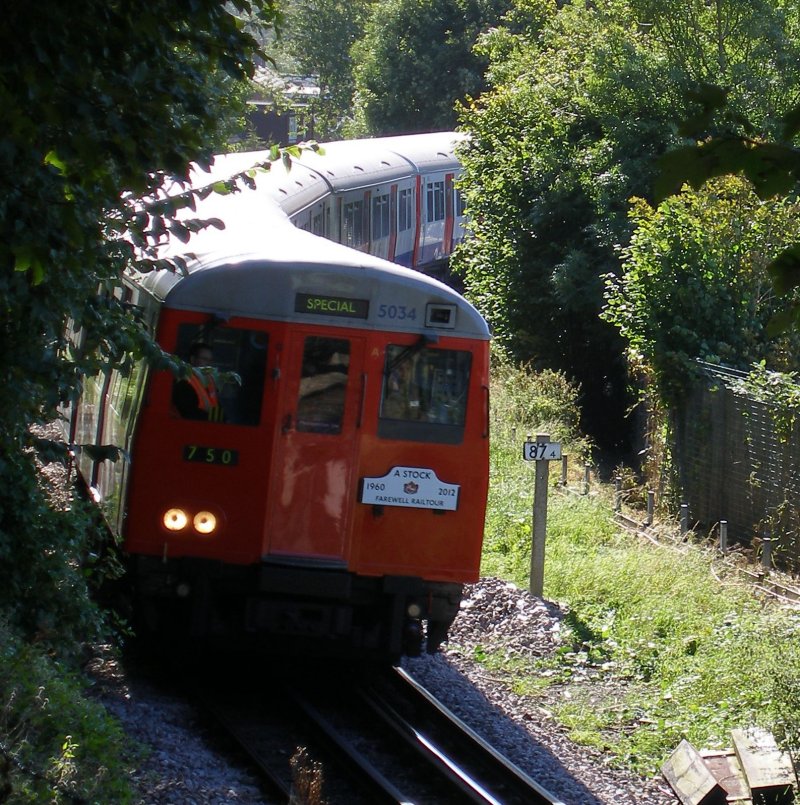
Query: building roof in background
[[295, 88]]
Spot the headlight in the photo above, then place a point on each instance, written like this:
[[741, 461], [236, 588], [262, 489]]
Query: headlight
[[175, 519], [205, 523], [414, 610]]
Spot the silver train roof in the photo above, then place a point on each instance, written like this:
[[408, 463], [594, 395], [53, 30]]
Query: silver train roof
[[343, 165], [260, 264]]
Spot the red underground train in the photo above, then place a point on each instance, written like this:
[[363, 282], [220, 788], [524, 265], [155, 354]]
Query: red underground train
[[319, 484]]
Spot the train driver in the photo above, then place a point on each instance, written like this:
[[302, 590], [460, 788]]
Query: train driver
[[196, 397], [401, 394]]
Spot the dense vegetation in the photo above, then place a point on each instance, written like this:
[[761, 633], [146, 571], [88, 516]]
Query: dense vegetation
[[694, 284], [416, 60], [584, 103], [582, 117], [99, 102], [317, 40], [387, 66], [583, 107]]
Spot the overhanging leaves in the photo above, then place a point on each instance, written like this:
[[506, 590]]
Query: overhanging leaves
[[785, 270], [772, 169]]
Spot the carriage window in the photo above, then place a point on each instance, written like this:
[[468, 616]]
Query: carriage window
[[461, 203], [435, 201], [227, 350], [323, 385], [424, 394], [353, 224], [381, 225], [405, 210]]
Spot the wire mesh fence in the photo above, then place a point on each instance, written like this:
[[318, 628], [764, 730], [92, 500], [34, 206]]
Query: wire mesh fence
[[734, 465]]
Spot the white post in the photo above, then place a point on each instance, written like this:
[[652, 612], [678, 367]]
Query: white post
[[539, 525], [723, 536]]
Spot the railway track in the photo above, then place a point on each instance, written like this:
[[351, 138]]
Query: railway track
[[378, 738]]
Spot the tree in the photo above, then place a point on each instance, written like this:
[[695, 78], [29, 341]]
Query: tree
[[319, 37], [694, 284], [773, 170], [747, 44], [583, 103], [736, 132], [415, 61], [566, 136], [99, 102]]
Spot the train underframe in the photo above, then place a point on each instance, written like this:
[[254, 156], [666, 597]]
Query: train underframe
[[285, 609]]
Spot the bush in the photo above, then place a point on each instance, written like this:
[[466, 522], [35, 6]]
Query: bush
[[533, 400], [523, 401], [55, 744]]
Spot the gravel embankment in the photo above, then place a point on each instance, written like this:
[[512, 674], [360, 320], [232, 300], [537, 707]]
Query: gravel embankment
[[187, 765]]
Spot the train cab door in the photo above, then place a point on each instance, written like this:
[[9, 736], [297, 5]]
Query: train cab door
[[322, 387]]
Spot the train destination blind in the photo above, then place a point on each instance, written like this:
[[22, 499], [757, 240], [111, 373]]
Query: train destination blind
[[321, 305]]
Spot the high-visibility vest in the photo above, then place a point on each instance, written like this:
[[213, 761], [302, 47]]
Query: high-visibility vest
[[207, 399]]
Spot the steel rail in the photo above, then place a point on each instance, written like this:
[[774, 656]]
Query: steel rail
[[382, 788], [495, 779], [278, 781]]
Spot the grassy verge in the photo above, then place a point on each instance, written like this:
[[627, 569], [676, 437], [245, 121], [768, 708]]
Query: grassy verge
[[660, 644]]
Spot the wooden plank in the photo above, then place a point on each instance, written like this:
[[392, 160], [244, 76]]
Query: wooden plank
[[724, 765], [768, 770], [689, 778]]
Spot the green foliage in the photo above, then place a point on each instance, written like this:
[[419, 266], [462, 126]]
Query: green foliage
[[779, 391], [318, 37], [694, 283], [747, 48], [55, 745], [44, 592], [523, 401], [556, 149], [773, 169], [655, 648], [584, 101], [695, 655], [533, 400], [743, 142], [100, 103], [658, 644], [415, 61]]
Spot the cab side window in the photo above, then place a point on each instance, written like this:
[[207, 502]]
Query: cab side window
[[323, 385], [238, 357]]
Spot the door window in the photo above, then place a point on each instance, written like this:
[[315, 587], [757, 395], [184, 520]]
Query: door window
[[323, 384]]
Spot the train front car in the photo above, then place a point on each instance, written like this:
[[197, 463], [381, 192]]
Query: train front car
[[326, 492]]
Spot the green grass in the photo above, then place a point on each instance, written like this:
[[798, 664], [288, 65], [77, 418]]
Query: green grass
[[658, 647]]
